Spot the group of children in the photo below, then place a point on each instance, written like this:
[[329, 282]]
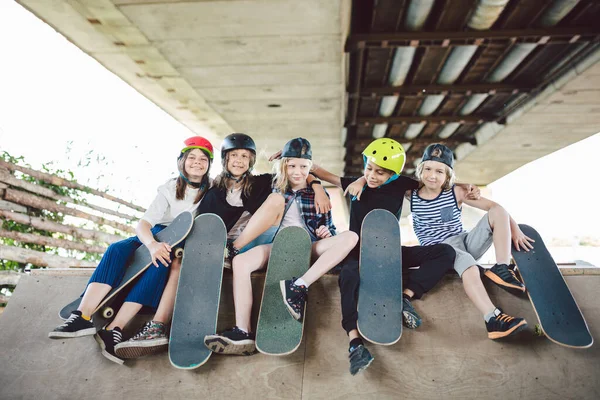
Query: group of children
[[255, 207]]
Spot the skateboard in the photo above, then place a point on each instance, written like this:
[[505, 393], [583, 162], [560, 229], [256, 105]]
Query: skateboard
[[277, 332], [380, 290], [560, 318], [173, 234], [198, 293]]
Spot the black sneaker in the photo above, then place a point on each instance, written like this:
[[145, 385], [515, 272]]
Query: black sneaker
[[74, 326], [410, 317], [232, 341], [502, 325], [294, 298], [360, 359], [107, 341], [505, 277]]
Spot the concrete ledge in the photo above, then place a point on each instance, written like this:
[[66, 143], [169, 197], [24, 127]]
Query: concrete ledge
[[449, 357]]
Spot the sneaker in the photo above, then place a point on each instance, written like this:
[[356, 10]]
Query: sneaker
[[232, 341], [410, 317], [502, 325], [294, 298], [360, 359], [150, 339], [107, 341], [74, 326], [505, 277]]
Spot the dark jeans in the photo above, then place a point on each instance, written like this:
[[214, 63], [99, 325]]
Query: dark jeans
[[434, 262]]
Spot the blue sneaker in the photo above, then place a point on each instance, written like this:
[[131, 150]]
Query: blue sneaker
[[410, 317], [360, 359]]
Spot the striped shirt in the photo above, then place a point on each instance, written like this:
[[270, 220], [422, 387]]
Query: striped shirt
[[435, 220]]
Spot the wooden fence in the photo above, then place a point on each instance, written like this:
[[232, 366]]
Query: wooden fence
[[24, 202]]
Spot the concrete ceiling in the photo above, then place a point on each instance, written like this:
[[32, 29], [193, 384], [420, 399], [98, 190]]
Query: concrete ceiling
[[276, 69], [272, 68]]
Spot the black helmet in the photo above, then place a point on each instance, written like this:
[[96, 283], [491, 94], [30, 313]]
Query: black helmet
[[297, 148], [439, 152], [237, 141]]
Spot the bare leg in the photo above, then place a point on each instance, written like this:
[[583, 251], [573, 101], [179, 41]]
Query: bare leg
[[269, 214], [167, 301], [329, 252], [126, 313], [500, 223], [476, 291], [94, 294], [243, 265]]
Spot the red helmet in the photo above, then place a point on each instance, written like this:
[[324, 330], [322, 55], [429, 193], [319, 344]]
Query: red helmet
[[198, 142]]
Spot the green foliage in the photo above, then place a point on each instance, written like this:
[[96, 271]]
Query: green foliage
[[57, 217]]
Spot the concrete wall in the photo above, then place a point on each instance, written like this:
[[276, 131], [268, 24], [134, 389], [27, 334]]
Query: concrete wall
[[449, 357]]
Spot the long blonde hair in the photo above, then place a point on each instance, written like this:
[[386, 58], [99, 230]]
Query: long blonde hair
[[246, 181], [450, 175], [281, 182]]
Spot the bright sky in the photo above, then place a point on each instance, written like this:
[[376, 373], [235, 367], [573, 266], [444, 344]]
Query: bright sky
[[57, 104]]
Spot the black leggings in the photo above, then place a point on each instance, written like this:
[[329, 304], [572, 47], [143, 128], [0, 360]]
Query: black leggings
[[434, 262]]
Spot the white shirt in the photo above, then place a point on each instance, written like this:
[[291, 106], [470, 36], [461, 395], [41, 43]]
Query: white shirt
[[165, 206], [292, 216], [234, 198]]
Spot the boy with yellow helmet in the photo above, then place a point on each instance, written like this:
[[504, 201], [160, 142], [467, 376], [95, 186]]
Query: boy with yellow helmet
[[382, 186]]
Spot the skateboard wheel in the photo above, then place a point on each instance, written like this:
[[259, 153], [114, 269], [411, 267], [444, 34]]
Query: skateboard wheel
[[107, 312], [179, 253], [537, 330]]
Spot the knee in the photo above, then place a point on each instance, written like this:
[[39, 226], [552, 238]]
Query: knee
[[351, 238], [238, 266], [497, 212], [446, 251]]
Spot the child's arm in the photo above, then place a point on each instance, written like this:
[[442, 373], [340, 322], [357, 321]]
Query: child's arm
[[322, 201], [325, 175], [519, 239]]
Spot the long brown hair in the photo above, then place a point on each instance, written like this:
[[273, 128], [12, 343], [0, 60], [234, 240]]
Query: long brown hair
[[246, 181], [281, 181], [181, 184]]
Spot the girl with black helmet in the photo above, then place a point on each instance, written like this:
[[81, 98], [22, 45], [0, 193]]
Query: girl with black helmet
[[183, 193], [300, 210]]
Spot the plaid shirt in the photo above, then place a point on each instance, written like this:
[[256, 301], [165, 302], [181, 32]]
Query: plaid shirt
[[308, 210]]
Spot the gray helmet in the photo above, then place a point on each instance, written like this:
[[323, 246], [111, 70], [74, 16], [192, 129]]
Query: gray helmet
[[439, 152], [297, 148]]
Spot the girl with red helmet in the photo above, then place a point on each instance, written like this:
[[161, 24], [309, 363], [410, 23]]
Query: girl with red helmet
[[178, 195]]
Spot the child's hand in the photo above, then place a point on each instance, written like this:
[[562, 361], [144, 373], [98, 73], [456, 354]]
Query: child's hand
[[355, 189], [275, 156], [322, 232], [160, 251], [322, 201], [473, 192], [521, 241]]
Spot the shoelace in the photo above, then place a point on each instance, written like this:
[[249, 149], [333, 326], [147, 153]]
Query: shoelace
[[117, 336], [70, 320], [144, 330], [505, 318]]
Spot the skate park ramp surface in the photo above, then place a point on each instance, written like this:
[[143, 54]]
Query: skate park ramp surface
[[448, 357]]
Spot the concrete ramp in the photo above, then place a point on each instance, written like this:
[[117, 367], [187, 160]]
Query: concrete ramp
[[449, 357]]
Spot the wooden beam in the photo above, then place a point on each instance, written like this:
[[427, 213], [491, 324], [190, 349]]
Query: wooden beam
[[55, 180], [43, 224], [440, 119], [50, 241], [424, 90], [39, 259], [471, 37], [9, 277]]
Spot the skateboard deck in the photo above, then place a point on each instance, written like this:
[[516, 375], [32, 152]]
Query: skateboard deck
[[380, 290], [140, 261], [560, 318], [277, 332], [198, 293]]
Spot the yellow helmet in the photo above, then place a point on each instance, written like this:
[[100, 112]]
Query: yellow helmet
[[386, 153]]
